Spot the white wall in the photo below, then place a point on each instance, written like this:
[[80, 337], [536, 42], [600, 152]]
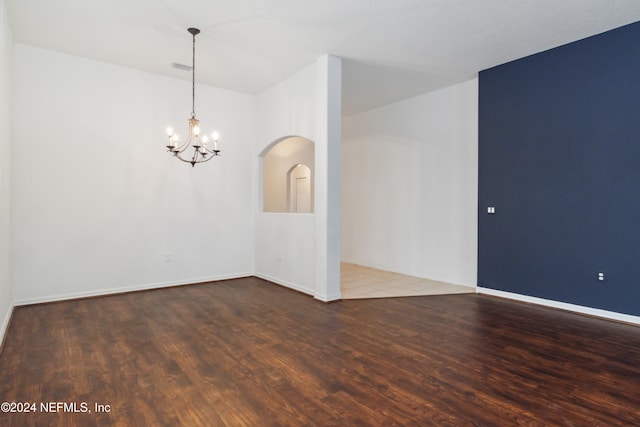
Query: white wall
[[288, 108], [99, 205], [409, 186], [6, 43], [293, 250]]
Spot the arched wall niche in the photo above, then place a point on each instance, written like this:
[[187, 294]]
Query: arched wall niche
[[288, 175]]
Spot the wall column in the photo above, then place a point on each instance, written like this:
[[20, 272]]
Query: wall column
[[328, 175]]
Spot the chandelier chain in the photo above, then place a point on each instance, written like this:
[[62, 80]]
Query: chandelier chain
[[193, 78]]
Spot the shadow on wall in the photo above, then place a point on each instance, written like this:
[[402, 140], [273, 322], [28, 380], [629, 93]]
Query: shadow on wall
[[287, 176]]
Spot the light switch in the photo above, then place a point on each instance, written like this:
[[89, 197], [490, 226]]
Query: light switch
[[491, 209]]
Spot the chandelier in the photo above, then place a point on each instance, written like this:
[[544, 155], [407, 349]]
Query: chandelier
[[195, 140]]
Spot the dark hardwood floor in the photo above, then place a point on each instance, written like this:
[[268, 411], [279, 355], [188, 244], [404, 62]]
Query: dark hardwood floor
[[249, 353]]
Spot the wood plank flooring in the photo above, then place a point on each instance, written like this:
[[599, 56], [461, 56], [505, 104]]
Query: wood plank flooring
[[250, 353]]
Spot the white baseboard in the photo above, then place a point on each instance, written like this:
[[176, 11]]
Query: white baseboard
[[328, 298], [5, 324], [149, 286], [286, 284], [610, 315]]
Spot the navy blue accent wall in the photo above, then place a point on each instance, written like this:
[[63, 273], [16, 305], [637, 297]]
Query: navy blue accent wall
[[559, 159]]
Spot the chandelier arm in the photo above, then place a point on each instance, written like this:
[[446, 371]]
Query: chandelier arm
[[179, 157], [184, 146], [205, 159], [186, 160], [196, 159], [214, 152]]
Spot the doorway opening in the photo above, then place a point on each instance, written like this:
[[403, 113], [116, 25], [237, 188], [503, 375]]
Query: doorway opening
[[287, 176], [299, 189]]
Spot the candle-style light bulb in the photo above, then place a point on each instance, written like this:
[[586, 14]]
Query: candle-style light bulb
[[196, 131], [215, 137], [169, 131], [204, 141]]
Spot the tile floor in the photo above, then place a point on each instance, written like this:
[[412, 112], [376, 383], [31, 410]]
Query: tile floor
[[366, 282]]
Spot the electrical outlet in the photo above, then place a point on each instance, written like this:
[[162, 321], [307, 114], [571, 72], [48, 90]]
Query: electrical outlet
[[601, 276]]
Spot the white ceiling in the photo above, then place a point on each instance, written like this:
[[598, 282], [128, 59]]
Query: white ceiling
[[393, 49]]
